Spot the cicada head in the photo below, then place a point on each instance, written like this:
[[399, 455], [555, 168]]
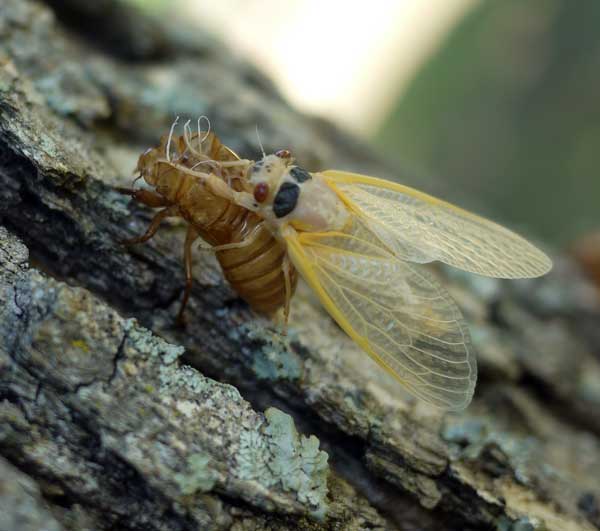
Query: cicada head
[[146, 164], [288, 194], [267, 174]]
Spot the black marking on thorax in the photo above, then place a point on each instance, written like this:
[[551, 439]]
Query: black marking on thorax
[[286, 199], [300, 174]]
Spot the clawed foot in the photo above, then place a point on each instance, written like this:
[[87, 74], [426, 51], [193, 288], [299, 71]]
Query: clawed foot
[[125, 191], [131, 241], [181, 321]]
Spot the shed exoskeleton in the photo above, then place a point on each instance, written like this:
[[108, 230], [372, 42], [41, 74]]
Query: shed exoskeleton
[[197, 178]]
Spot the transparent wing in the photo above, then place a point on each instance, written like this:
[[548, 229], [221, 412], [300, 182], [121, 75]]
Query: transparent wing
[[399, 315], [421, 228]]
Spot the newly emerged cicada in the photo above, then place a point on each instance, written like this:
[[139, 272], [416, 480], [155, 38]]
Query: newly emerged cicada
[[356, 240]]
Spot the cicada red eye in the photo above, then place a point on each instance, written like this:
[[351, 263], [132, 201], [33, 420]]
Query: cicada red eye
[[261, 192], [283, 154]]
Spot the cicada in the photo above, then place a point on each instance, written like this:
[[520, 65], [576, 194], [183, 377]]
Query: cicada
[[358, 242]]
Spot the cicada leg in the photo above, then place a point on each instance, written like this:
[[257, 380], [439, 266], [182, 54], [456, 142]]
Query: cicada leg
[[190, 237], [154, 225], [239, 245], [285, 266], [146, 197]]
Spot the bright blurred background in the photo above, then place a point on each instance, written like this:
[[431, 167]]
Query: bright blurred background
[[499, 99]]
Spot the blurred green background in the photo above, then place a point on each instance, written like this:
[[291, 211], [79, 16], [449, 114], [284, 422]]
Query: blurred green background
[[503, 117], [508, 111]]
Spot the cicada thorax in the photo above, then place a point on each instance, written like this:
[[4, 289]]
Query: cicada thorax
[[254, 270]]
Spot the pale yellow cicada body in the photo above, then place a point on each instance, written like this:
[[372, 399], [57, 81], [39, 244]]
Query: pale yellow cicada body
[[358, 240]]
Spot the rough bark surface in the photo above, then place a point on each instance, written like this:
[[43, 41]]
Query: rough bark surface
[[109, 418]]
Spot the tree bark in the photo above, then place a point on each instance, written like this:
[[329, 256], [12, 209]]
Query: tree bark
[[117, 419]]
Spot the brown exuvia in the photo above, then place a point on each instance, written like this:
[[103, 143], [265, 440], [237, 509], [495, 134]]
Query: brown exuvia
[[253, 261]]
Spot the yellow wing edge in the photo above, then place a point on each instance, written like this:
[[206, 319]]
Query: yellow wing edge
[[297, 256], [336, 176]]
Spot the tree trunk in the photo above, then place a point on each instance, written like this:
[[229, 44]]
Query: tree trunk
[[109, 416]]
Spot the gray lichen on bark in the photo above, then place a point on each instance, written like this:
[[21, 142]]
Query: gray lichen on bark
[[88, 394], [21, 504], [105, 417]]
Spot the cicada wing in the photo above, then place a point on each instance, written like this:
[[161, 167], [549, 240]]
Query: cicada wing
[[420, 228], [398, 314]]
